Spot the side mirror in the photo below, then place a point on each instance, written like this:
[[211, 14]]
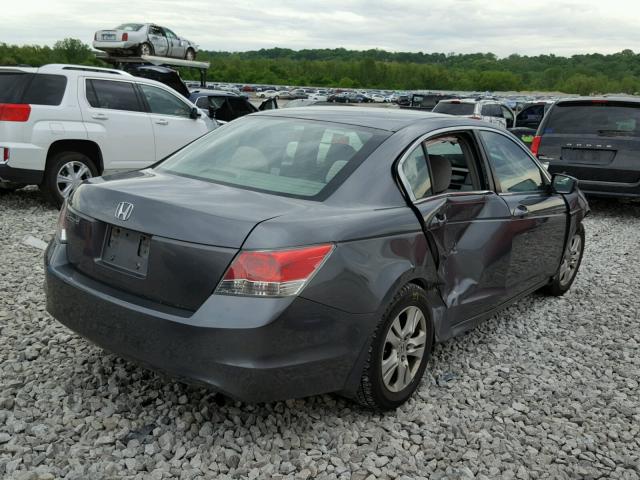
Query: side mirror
[[194, 114], [563, 183]]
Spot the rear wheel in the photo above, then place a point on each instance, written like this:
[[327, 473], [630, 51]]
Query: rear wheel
[[65, 172], [569, 266], [399, 351], [191, 54], [145, 49]]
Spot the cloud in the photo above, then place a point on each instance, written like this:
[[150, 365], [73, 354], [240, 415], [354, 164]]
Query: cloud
[[561, 27]]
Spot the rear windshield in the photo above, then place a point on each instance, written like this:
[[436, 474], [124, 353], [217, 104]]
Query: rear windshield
[[604, 119], [32, 88], [454, 108], [129, 27], [290, 157]]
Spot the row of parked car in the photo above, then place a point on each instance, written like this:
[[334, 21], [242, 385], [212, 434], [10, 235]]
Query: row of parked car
[[62, 124]]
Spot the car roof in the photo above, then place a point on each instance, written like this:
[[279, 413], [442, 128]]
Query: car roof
[[70, 69], [390, 119], [201, 92]]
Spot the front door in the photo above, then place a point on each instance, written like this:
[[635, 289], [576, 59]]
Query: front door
[[171, 119], [538, 216], [177, 48]]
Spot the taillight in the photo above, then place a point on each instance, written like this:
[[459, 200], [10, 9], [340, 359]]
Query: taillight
[[5, 154], [125, 36], [14, 112], [274, 273], [535, 145]]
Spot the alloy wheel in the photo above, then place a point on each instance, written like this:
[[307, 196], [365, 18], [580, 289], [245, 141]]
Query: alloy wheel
[[145, 49], [70, 176], [569, 265], [404, 348]]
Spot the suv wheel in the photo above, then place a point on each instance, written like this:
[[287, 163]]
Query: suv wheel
[[399, 351], [569, 266], [65, 172]]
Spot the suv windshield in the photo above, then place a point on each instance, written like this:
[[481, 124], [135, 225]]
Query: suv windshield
[[284, 156], [601, 118], [451, 108]]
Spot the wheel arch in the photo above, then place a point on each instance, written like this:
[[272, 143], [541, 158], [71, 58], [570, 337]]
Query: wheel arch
[[86, 147]]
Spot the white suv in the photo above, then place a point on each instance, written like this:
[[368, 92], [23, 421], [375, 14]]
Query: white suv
[[491, 111], [61, 124]]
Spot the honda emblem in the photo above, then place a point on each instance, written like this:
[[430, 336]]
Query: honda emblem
[[123, 211]]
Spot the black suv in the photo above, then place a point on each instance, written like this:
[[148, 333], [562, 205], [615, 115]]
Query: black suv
[[595, 139]]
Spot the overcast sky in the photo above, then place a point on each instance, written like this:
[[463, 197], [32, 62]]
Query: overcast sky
[[563, 27]]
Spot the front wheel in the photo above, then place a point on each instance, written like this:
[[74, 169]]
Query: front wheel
[[399, 351], [569, 266], [65, 172], [191, 54]]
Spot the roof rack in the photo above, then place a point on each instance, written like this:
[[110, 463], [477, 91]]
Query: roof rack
[[120, 63]]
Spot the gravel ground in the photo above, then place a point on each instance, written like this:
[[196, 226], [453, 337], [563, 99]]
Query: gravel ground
[[547, 389]]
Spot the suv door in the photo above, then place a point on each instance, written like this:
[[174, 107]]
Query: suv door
[[539, 217], [115, 119], [171, 119], [466, 223]]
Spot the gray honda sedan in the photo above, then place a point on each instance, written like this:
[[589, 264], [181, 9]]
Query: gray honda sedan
[[303, 251]]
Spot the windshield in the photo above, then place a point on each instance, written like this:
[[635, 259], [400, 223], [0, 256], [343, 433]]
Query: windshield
[[284, 156], [604, 119], [129, 27], [454, 108]]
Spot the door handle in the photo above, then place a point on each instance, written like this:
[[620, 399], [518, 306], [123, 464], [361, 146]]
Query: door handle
[[162, 122], [99, 116], [520, 211], [438, 220]]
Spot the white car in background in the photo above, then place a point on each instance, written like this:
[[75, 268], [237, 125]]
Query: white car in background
[[491, 111], [62, 124], [144, 39]]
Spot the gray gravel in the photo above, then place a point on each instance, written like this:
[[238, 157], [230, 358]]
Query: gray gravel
[[547, 389]]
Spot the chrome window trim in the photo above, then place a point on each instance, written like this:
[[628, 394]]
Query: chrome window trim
[[427, 136]]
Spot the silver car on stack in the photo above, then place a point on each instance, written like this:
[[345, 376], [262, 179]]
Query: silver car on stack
[[144, 39]]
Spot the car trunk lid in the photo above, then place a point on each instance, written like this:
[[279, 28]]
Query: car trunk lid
[[163, 237]]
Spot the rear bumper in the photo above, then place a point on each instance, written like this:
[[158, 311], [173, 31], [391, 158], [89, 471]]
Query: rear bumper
[[106, 45], [20, 176], [251, 349]]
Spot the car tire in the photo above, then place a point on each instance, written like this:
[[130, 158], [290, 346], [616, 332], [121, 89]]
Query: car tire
[[377, 392], [74, 165], [145, 49], [571, 260], [190, 54]]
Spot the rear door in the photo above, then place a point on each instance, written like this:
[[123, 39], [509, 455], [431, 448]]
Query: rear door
[[173, 126], [467, 224], [115, 119], [538, 217], [596, 141], [159, 41]]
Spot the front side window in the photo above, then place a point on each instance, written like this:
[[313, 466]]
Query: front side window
[[276, 155], [515, 170], [169, 33], [164, 103], [113, 95], [416, 172]]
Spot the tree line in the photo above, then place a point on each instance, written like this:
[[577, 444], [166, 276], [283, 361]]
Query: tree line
[[583, 74]]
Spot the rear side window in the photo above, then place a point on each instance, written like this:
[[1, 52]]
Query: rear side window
[[603, 119], [415, 170], [45, 89], [113, 95], [35, 89], [454, 108]]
